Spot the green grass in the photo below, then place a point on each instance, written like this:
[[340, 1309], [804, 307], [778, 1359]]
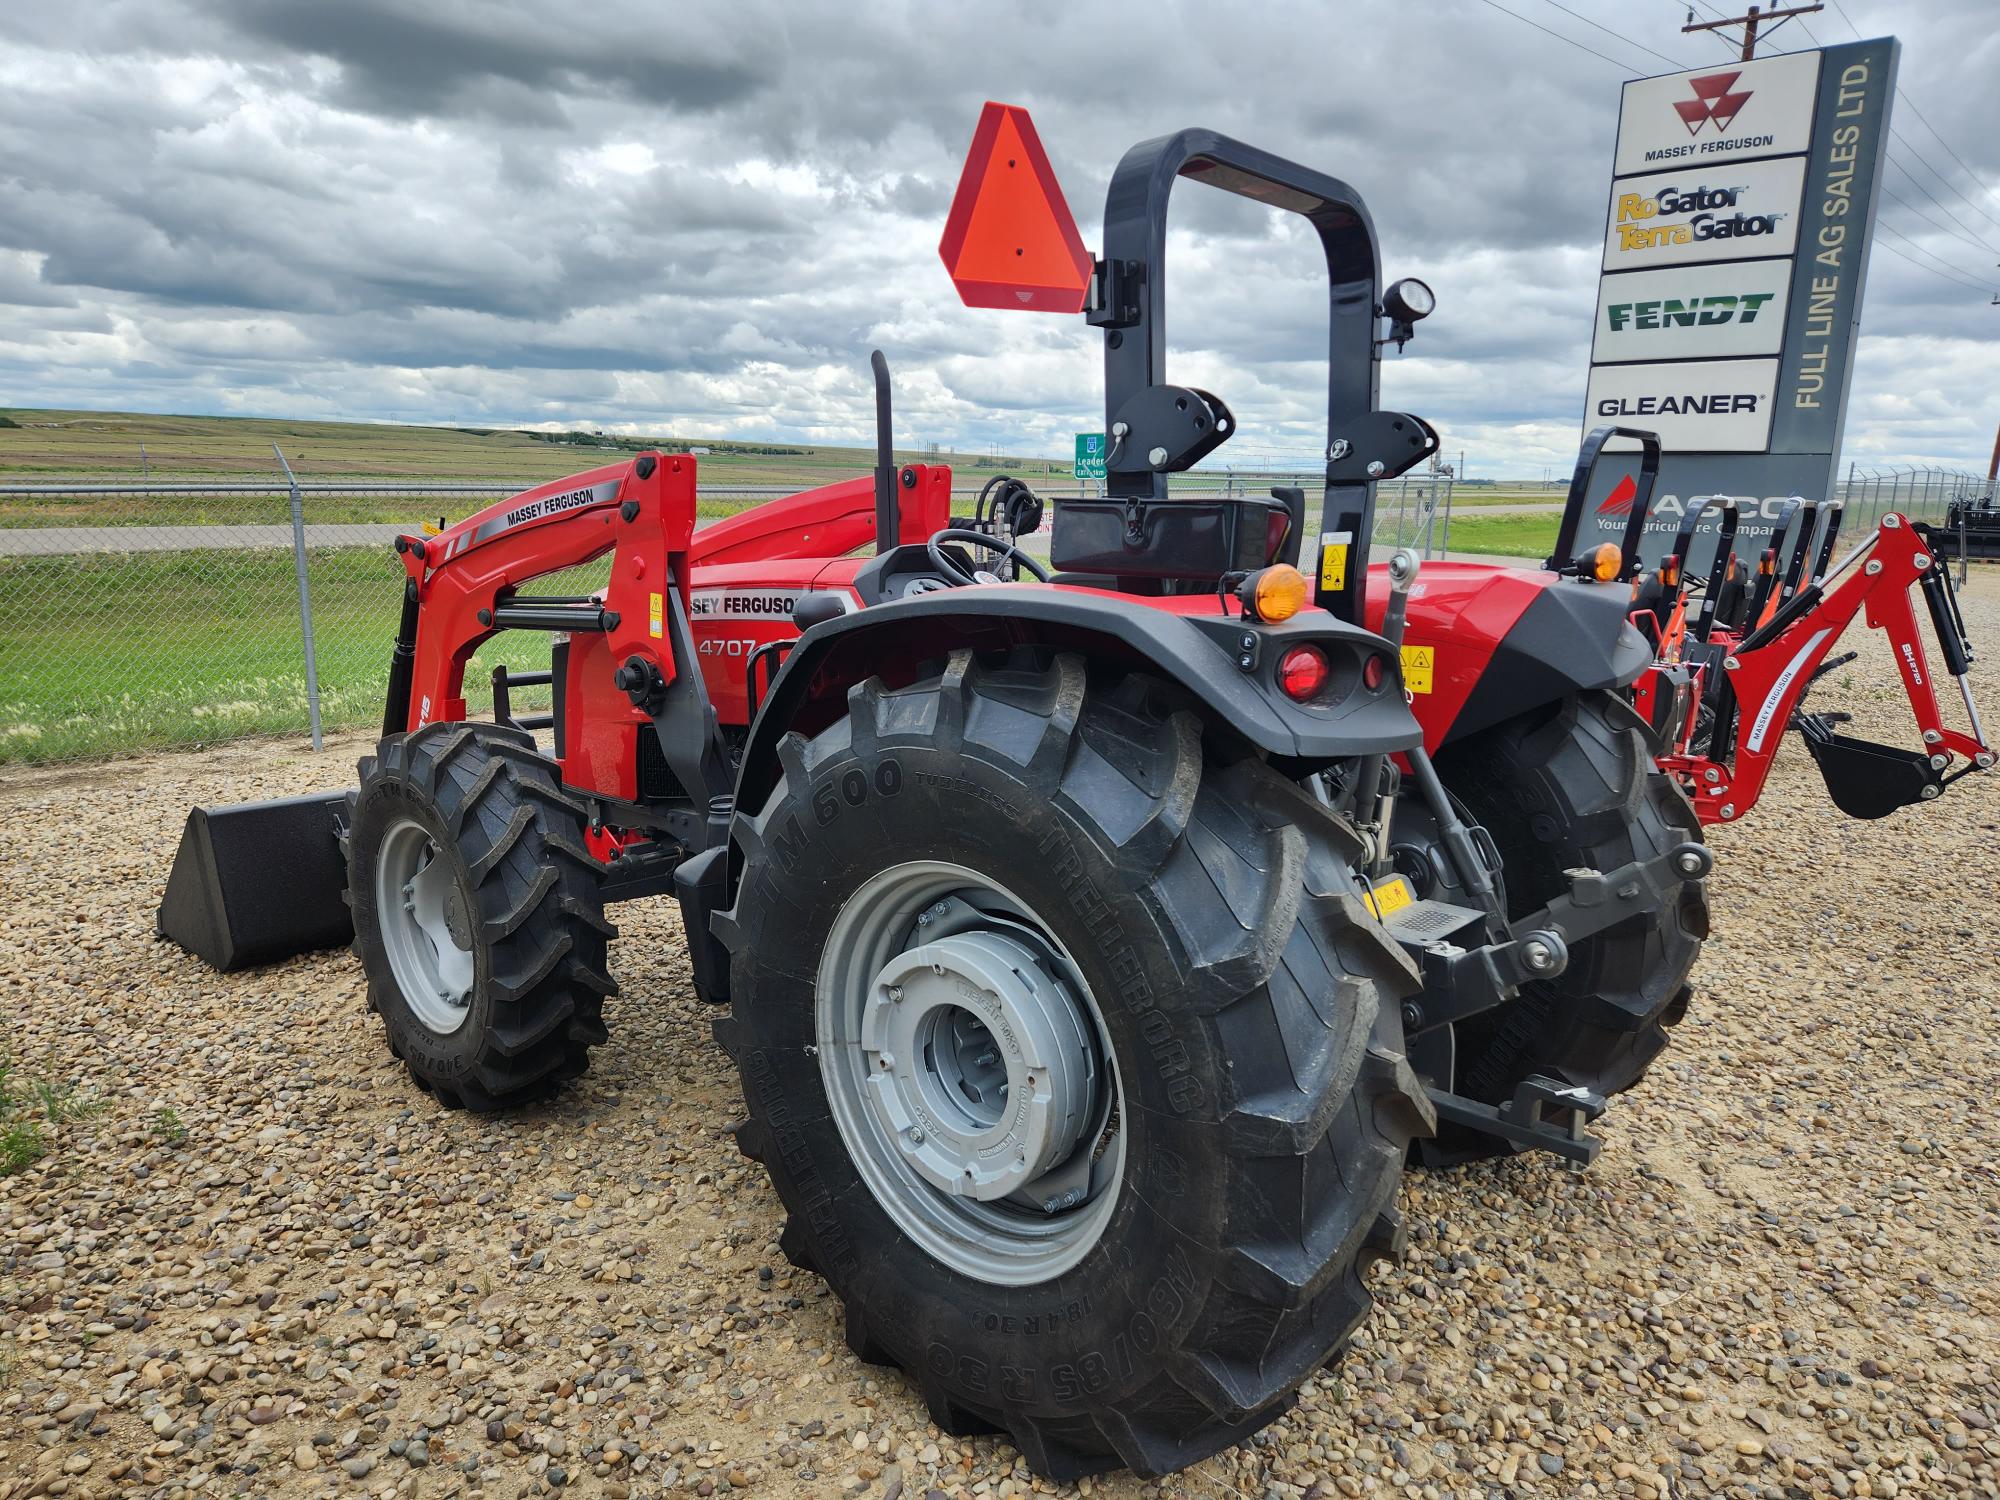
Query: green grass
[[28, 1114], [1504, 536], [196, 647], [168, 1129]]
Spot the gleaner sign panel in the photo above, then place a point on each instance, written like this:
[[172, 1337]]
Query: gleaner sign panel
[[1719, 405], [1719, 114], [1703, 214], [1692, 312]]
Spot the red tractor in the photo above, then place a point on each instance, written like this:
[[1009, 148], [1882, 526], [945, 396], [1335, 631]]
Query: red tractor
[[1094, 940]]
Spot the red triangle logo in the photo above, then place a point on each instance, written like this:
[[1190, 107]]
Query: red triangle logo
[[1619, 501], [1010, 240]]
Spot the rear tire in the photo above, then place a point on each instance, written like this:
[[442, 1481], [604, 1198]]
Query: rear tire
[[1568, 785], [477, 914], [1205, 918]]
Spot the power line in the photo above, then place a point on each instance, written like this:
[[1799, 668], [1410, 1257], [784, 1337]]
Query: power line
[[1679, 67], [1950, 271], [1627, 67], [1899, 139], [1969, 172], [1978, 245], [1910, 104], [1956, 281]]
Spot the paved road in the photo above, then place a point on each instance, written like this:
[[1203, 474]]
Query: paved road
[[59, 541]]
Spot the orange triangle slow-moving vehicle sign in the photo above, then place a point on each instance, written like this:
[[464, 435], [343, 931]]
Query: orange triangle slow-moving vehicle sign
[[1011, 241]]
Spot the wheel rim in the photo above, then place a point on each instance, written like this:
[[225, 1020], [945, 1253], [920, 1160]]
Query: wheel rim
[[426, 927], [970, 1073]]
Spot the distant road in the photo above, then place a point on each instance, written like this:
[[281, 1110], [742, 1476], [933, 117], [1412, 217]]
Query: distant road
[[61, 541]]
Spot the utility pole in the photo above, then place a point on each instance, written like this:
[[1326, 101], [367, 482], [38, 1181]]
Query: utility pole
[[1752, 21]]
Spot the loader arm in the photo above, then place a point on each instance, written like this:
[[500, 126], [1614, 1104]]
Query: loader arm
[[622, 660]]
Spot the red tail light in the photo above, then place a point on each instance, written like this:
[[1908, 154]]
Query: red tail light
[[1302, 672], [1374, 672]]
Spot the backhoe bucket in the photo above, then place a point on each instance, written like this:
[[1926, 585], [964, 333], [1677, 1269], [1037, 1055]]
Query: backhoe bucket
[[257, 882], [1867, 780]]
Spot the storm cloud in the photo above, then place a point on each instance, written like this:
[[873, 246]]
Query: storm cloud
[[698, 220]]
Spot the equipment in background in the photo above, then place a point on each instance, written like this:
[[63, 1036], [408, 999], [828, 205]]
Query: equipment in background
[[1735, 658]]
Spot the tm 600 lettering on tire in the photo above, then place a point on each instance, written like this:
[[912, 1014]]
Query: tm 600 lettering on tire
[[1073, 1055]]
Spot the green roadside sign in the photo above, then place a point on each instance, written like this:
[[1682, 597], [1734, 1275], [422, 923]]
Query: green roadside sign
[[1090, 455]]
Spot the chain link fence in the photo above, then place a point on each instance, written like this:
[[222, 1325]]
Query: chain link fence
[[145, 614], [1920, 494]]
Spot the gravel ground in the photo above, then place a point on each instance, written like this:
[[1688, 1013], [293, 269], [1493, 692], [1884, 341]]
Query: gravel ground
[[267, 1265]]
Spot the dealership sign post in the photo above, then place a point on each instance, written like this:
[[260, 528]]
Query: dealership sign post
[[1735, 246]]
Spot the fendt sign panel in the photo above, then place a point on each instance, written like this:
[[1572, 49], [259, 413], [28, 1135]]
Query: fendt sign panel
[[1735, 246], [1692, 312]]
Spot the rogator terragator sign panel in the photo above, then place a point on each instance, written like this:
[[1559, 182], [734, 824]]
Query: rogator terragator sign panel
[[1735, 246]]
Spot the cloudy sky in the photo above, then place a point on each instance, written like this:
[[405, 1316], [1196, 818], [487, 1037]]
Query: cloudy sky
[[699, 219]]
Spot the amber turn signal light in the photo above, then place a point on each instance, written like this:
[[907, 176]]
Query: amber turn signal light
[[1273, 594], [1603, 563]]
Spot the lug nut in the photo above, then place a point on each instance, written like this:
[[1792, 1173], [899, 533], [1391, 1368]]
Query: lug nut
[[895, 994]]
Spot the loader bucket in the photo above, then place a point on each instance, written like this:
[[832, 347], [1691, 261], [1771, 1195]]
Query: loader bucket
[[258, 881]]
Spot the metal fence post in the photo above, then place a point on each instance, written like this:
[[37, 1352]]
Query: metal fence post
[[305, 593]]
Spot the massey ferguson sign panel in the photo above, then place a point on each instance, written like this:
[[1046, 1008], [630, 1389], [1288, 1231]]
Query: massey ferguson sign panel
[[1692, 215], [1735, 247], [1719, 114]]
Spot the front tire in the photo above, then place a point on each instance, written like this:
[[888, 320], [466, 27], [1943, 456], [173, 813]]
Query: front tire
[[477, 914], [1237, 1172]]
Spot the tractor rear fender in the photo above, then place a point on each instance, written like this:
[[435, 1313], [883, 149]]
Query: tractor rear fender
[[1202, 654], [1570, 639], [1483, 643]]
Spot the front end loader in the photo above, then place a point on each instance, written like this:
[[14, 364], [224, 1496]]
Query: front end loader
[[1094, 941]]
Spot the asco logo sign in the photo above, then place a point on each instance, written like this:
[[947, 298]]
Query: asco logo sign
[[1687, 217]]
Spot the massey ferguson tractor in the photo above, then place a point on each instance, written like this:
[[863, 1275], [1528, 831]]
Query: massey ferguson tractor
[[1094, 940]]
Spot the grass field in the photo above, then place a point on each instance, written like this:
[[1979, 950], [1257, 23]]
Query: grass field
[[49, 446], [192, 647], [104, 653], [1503, 536]]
